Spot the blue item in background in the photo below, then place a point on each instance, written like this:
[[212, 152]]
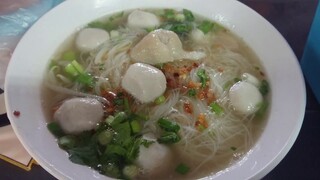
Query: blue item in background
[[310, 62], [16, 23]]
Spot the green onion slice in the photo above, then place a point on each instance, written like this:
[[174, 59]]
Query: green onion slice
[[182, 169], [216, 108]]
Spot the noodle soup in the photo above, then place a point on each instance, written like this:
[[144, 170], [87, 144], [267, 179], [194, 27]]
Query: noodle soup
[[155, 94]]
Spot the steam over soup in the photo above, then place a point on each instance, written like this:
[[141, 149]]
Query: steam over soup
[[155, 94]]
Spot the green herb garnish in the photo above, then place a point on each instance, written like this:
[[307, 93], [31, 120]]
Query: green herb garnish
[[182, 169], [264, 87], [206, 26], [168, 125], [188, 15], [160, 100], [216, 108], [69, 56], [169, 138], [55, 129], [262, 108], [192, 92], [201, 73], [108, 26]]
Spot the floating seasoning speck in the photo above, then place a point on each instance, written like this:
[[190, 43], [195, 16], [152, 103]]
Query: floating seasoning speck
[[16, 113]]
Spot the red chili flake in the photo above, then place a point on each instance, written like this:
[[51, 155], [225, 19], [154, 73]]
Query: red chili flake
[[110, 109], [210, 96], [188, 107], [183, 71], [202, 95], [16, 113], [172, 83], [220, 69], [192, 84], [109, 95], [189, 68], [197, 123], [201, 123]]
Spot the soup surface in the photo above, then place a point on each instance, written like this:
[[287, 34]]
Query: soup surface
[[155, 94]]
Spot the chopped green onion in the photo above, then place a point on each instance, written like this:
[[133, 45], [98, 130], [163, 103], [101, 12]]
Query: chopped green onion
[[217, 27], [119, 118], [179, 17], [77, 66], [178, 27], [126, 105], [150, 29], [130, 171], [216, 108], [159, 66], [228, 85], [116, 16], [181, 28], [119, 101], [135, 126], [233, 148], [201, 127], [111, 170], [168, 125], [69, 56], [55, 129], [85, 79], [133, 150], [146, 143], [206, 26], [53, 64], [109, 119], [67, 142], [108, 26], [236, 79], [160, 100], [262, 108], [96, 24], [169, 14], [70, 69], [105, 137], [122, 134], [74, 68], [115, 150], [188, 15], [264, 87], [192, 92], [84, 155], [101, 67], [141, 116], [201, 73], [169, 138], [182, 169], [120, 94]]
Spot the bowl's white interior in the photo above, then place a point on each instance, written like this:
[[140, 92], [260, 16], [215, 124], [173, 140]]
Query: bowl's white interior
[[29, 62]]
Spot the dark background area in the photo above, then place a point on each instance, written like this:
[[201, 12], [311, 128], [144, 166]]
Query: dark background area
[[293, 19]]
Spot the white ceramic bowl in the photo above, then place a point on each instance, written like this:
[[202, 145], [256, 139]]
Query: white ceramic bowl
[[30, 59]]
